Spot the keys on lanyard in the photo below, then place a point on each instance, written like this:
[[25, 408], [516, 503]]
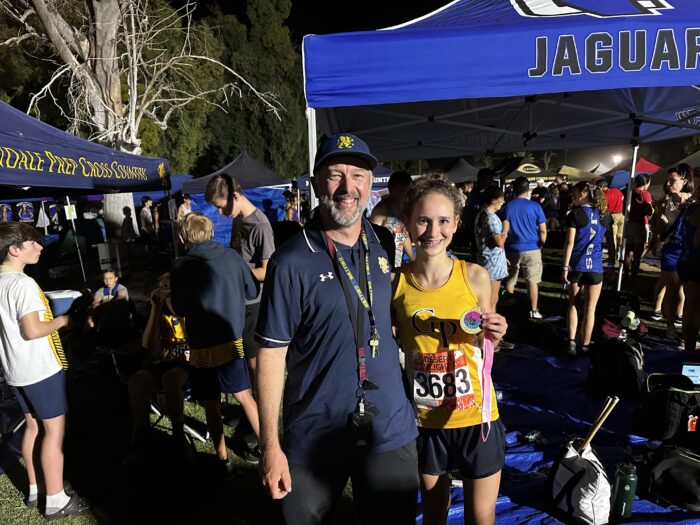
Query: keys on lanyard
[[374, 342]]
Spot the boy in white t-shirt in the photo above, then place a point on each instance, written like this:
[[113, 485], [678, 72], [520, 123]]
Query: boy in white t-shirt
[[33, 360]]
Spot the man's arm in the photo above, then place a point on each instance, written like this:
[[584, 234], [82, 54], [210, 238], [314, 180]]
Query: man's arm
[[542, 230], [270, 380], [260, 271], [32, 327]]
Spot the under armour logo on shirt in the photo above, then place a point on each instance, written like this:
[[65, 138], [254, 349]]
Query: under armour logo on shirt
[[323, 277]]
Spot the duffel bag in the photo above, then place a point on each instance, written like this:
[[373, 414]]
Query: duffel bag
[[675, 477], [670, 410]]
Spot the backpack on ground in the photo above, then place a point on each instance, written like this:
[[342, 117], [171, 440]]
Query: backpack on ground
[[613, 303], [675, 477], [611, 328], [580, 489], [670, 410], [617, 369]]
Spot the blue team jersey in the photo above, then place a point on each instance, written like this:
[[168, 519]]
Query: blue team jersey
[[524, 217], [303, 307], [587, 255]]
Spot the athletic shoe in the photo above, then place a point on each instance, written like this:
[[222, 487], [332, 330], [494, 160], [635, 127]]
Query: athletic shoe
[[504, 345], [571, 350], [32, 503], [76, 505], [507, 299], [535, 314], [226, 470], [678, 322], [251, 455], [657, 316]]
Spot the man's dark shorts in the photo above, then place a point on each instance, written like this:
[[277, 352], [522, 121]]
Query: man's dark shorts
[[229, 378], [251, 320], [45, 399], [462, 449], [586, 278]]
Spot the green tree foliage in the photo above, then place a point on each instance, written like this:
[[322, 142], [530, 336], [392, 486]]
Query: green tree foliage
[[260, 49], [188, 134]]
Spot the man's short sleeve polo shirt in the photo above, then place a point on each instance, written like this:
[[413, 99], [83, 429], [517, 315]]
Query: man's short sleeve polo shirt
[[303, 307]]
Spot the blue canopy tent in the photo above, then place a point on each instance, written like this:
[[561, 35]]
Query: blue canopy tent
[[492, 76], [36, 155], [37, 159]]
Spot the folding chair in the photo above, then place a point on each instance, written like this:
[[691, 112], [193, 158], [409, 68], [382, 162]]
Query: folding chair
[[159, 401]]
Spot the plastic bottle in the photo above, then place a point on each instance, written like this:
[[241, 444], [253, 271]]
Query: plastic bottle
[[623, 492]]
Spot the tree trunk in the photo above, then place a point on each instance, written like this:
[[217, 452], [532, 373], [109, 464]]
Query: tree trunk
[[114, 204], [104, 65]]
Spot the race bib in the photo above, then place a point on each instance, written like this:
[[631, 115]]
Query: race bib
[[179, 352], [442, 380]]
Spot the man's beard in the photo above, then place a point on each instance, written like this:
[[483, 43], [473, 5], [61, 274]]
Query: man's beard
[[341, 217]]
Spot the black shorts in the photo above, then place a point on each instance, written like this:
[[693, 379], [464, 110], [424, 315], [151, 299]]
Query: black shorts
[[229, 378], [462, 449], [251, 319], [161, 367], [45, 399], [586, 278]]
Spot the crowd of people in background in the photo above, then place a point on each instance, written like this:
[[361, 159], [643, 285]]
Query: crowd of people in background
[[317, 317]]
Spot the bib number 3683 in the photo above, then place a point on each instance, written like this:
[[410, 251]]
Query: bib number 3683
[[442, 380]]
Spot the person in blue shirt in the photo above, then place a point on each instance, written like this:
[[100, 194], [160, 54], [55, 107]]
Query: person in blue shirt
[[325, 314], [526, 225], [586, 225]]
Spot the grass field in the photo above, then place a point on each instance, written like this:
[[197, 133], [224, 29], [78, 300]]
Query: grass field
[[162, 491]]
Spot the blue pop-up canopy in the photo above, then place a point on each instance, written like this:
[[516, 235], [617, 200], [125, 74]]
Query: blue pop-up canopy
[[35, 154], [497, 75]]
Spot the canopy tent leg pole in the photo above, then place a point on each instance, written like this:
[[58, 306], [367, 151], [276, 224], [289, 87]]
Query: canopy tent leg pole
[[311, 128], [77, 245], [628, 204]]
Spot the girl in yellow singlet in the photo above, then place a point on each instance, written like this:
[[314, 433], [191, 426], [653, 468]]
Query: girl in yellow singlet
[[435, 304]]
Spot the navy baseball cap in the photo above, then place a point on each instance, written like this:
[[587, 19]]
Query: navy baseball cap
[[344, 144]]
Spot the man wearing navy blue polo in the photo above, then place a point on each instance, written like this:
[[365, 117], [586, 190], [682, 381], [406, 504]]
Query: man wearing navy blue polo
[[325, 313]]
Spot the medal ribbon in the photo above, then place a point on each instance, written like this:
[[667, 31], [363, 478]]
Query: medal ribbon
[[486, 387]]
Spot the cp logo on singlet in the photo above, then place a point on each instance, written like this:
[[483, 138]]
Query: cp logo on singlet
[[596, 8]]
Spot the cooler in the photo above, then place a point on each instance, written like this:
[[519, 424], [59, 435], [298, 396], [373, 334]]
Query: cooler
[[61, 300]]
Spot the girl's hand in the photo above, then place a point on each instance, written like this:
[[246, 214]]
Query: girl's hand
[[494, 324], [565, 276]]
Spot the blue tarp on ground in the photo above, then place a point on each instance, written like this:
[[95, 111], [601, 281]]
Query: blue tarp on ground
[[545, 392], [495, 75], [35, 154]]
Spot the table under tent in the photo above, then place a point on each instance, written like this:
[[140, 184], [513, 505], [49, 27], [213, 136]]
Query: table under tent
[[44, 167], [263, 187], [488, 76]]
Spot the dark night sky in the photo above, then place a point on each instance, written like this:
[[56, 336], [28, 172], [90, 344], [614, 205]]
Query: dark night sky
[[328, 16]]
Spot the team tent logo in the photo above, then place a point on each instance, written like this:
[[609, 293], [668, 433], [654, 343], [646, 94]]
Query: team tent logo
[[596, 8]]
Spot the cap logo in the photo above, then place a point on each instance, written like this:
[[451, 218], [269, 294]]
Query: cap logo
[[345, 142]]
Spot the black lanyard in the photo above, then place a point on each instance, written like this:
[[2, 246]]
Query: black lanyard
[[356, 315]]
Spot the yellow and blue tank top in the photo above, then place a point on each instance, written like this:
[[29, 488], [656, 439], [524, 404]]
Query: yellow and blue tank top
[[444, 364]]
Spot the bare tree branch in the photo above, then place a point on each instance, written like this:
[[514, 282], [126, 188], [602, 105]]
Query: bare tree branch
[[127, 41]]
